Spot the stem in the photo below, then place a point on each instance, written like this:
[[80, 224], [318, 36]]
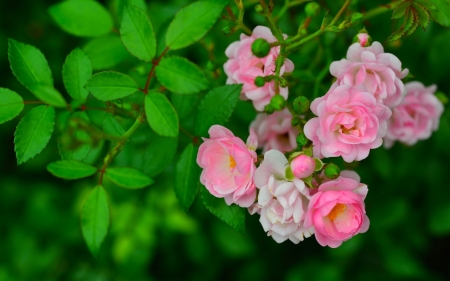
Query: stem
[[341, 11], [33, 102], [116, 149], [152, 70]]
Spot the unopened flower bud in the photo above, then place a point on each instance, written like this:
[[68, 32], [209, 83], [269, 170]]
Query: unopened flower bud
[[210, 65], [301, 105], [260, 48], [303, 166], [294, 121], [269, 109], [302, 140], [312, 9], [332, 171], [356, 18], [259, 81], [259, 9], [363, 39], [227, 30], [344, 25], [277, 102]]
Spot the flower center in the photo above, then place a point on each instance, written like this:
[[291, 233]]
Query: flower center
[[336, 211], [232, 163]]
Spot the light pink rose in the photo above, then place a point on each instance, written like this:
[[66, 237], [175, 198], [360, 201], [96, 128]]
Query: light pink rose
[[337, 210], [377, 71], [228, 166], [243, 67], [350, 122], [303, 166], [416, 117], [281, 203], [275, 131]]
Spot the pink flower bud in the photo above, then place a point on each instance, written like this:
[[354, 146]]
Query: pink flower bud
[[303, 166], [363, 39]]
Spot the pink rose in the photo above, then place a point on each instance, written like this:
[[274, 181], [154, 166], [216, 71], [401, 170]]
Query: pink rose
[[363, 39], [337, 210], [350, 122], [228, 166], [416, 117], [243, 67], [281, 203], [377, 71], [275, 131], [303, 166]]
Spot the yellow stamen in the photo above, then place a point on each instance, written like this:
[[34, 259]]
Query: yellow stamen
[[336, 211], [232, 163]]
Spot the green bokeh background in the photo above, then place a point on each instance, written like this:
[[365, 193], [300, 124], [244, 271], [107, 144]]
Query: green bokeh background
[[151, 238]]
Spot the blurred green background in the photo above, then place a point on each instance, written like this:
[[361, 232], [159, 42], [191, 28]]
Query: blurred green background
[[151, 238]]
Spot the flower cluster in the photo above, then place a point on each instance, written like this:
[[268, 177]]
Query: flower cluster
[[295, 194]]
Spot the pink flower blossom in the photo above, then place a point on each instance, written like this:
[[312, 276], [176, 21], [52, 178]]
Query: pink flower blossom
[[363, 39], [350, 122], [275, 131], [281, 203], [228, 166], [337, 210], [416, 117], [303, 166], [377, 71], [243, 67]]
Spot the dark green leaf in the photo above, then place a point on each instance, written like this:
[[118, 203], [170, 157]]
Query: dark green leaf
[[33, 132], [137, 33], [112, 127], [119, 5], [183, 104], [217, 107], [83, 147], [71, 169], [159, 154], [400, 10], [105, 52], [11, 104], [48, 94], [422, 15], [28, 64], [95, 219], [233, 215], [192, 23], [128, 177], [161, 115], [181, 76], [77, 70], [84, 18], [187, 175], [109, 85], [442, 12]]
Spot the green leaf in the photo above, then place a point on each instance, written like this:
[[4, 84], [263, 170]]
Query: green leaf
[[83, 18], [400, 10], [422, 15], [95, 219], [48, 94], [77, 70], [112, 127], [109, 85], [81, 137], [183, 104], [187, 175], [33, 132], [217, 107], [408, 20], [137, 33], [11, 104], [28, 64], [105, 52], [192, 23], [71, 169], [119, 5], [413, 27], [233, 215], [181, 76], [159, 154], [161, 115], [128, 177], [442, 12]]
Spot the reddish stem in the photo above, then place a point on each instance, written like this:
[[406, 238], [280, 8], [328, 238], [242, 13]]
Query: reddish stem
[[152, 70]]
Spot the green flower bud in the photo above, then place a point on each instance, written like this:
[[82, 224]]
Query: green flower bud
[[259, 81], [302, 140], [277, 102], [210, 65], [332, 171], [312, 9], [260, 48], [283, 82], [356, 18], [294, 121], [269, 109], [301, 105], [227, 30], [442, 97], [259, 9]]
